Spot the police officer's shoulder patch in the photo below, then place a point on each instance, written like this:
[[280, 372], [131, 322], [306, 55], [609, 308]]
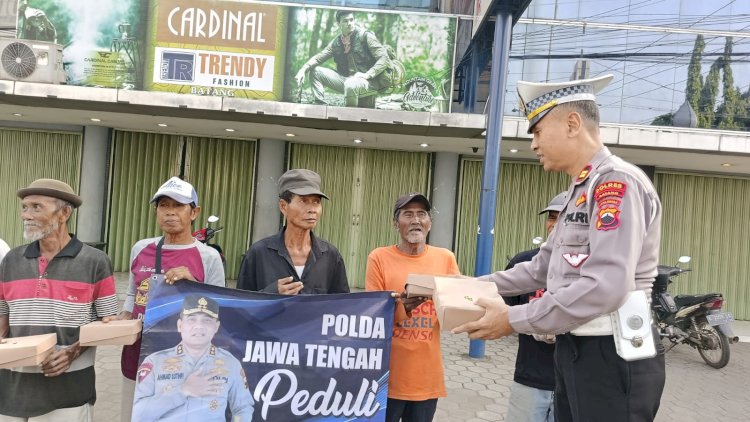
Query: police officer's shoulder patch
[[145, 369], [610, 189], [608, 197], [608, 218]]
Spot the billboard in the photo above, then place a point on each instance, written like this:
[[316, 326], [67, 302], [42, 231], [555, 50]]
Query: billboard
[[102, 44], [222, 48], [256, 50], [210, 352], [396, 61]]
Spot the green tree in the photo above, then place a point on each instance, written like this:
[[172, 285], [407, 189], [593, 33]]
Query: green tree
[[695, 79], [732, 109], [707, 102], [664, 120], [315, 35]]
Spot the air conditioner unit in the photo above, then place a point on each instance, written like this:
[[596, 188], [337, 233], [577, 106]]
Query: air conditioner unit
[[31, 61]]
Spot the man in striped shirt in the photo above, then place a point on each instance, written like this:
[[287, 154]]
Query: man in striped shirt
[[54, 284]]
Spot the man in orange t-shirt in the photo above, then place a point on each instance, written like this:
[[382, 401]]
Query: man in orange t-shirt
[[416, 372]]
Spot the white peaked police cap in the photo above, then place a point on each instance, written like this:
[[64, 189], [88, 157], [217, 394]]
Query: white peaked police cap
[[179, 190], [538, 98]]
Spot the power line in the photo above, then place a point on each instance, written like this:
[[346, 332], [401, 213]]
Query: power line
[[627, 55]]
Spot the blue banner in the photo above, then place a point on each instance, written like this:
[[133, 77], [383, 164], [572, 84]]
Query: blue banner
[[211, 353]]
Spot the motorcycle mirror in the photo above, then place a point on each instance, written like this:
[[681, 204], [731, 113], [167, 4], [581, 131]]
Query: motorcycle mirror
[[684, 259], [213, 219], [537, 240]]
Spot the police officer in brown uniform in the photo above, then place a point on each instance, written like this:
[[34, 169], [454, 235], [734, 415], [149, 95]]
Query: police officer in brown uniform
[[604, 248]]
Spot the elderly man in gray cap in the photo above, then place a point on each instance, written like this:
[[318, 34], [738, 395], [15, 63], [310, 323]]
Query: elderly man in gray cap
[[295, 261], [531, 397], [54, 284], [609, 365]]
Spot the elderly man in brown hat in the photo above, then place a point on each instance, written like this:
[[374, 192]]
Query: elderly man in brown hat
[[54, 284], [295, 260]]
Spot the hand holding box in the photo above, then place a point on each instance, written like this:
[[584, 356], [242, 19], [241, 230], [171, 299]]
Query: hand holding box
[[113, 333], [419, 285], [26, 351], [455, 300]]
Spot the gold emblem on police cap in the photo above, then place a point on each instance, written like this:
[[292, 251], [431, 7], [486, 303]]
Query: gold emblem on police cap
[[202, 303]]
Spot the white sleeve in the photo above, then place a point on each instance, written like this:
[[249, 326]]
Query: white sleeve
[[212, 266], [4, 249]]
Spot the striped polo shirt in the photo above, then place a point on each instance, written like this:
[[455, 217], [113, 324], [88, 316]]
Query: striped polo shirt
[[57, 296]]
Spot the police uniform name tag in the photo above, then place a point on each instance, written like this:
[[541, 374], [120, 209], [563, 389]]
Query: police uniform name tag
[[631, 326]]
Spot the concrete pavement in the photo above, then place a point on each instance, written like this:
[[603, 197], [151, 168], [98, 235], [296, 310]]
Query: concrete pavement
[[478, 389]]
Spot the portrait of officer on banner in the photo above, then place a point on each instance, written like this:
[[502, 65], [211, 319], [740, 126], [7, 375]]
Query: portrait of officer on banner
[[194, 380]]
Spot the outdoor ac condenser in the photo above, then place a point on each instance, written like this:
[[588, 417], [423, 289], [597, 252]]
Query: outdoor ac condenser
[[31, 61]]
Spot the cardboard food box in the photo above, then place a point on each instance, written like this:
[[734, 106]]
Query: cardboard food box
[[455, 300], [26, 351], [420, 285], [114, 333]]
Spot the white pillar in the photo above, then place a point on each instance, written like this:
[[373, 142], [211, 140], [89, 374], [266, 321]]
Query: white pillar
[[93, 183], [266, 215], [444, 190]]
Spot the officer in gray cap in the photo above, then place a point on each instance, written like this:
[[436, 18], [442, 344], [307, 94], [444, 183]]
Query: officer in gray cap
[[194, 381], [294, 260], [603, 253]]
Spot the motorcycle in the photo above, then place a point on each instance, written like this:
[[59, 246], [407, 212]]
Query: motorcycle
[[207, 233], [695, 320]]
